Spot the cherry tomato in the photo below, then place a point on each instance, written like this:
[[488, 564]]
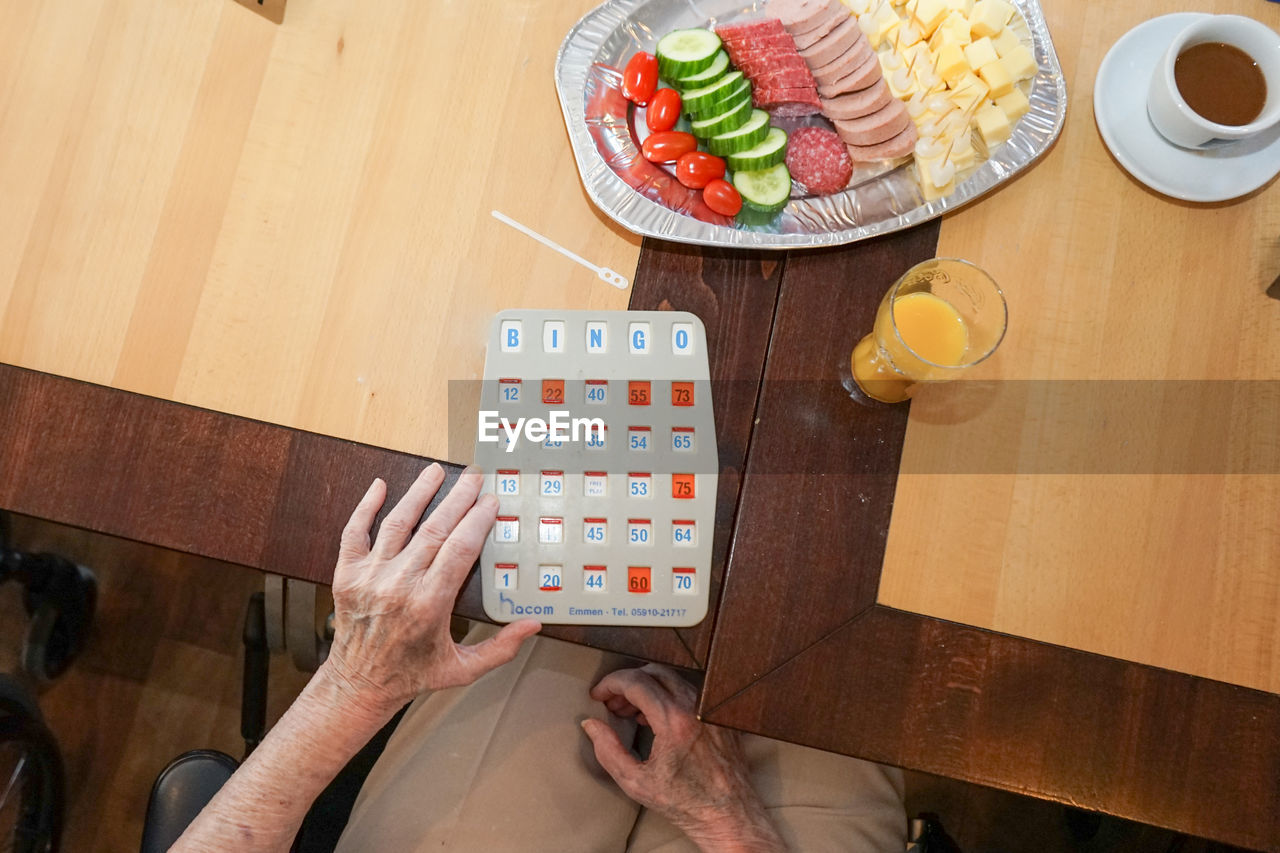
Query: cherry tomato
[[722, 197], [668, 146], [640, 78], [698, 168], [664, 110]]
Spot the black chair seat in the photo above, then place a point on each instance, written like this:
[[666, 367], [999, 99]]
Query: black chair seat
[[181, 790]]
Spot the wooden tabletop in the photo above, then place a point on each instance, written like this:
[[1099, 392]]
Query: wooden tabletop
[[1106, 484], [281, 235]]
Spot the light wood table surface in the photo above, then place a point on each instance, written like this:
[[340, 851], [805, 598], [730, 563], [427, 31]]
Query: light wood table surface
[[1141, 518], [290, 223]]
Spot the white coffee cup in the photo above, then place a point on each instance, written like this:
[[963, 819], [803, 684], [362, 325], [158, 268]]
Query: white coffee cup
[[1182, 125]]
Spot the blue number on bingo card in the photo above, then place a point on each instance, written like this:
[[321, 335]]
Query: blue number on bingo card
[[511, 393], [639, 488], [595, 394], [639, 535], [684, 581], [595, 438], [551, 487], [681, 441], [594, 534], [594, 581], [507, 485], [684, 534], [639, 441]]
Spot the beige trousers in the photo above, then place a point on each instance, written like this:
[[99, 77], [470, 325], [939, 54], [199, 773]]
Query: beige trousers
[[502, 765]]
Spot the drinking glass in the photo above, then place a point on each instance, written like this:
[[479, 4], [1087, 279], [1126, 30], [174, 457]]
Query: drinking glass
[[940, 318]]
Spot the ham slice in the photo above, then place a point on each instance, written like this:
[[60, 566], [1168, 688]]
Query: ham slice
[[857, 104], [812, 37], [891, 149], [802, 16], [845, 63], [859, 78], [835, 43], [876, 127]]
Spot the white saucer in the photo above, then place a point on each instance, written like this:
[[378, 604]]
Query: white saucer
[[1219, 173]]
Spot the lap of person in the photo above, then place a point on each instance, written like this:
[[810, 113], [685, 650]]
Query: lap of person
[[504, 765]]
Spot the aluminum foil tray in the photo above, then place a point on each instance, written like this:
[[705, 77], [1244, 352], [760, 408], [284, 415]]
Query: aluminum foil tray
[[646, 198]]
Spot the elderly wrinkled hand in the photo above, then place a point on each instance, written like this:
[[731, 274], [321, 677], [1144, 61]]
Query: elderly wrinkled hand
[[393, 597], [695, 775]]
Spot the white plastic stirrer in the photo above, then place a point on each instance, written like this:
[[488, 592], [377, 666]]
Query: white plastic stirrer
[[605, 274]]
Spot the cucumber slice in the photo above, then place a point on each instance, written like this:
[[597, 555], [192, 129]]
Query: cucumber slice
[[734, 117], [731, 101], [769, 152], [749, 134], [698, 101], [722, 104], [764, 189], [718, 67], [683, 53]]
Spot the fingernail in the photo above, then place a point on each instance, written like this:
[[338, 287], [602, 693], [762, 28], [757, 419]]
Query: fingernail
[[489, 501], [433, 468]]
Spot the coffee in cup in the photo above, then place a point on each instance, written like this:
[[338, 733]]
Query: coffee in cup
[[1219, 79]]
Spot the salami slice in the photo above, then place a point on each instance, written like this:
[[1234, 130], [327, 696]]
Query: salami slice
[[817, 158], [769, 99], [784, 78], [748, 30]]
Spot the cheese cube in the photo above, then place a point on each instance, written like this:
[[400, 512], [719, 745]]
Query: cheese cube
[[950, 63], [1005, 41], [964, 7], [959, 26], [996, 75], [968, 91], [993, 124], [963, 154], [879, 23], [980, 52], [1014, 104], [1021, 63], [928, 14], [989, 17], [858, 6]]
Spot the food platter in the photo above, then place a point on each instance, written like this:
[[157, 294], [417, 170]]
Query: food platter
[[647, 199]]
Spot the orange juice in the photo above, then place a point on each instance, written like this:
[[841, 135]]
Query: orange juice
[[934, 335]]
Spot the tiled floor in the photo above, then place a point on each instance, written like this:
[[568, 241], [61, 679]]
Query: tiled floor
[[161, 675]]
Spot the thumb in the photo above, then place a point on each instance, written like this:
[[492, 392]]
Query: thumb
[[499, 649], [616, 760]]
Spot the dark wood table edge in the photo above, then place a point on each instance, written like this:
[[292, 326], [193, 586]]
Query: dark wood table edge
[[220, 486], [996, 699]]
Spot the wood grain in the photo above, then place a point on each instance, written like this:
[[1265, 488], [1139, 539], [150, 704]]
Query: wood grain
[[1131, 518], [819, 479], [289, 223], [1142, 743], [217, 486]]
